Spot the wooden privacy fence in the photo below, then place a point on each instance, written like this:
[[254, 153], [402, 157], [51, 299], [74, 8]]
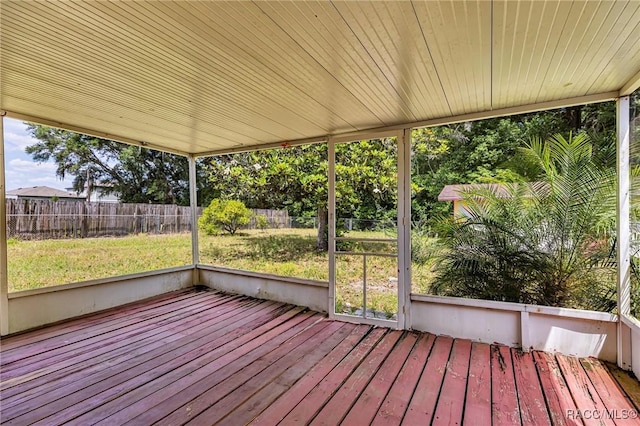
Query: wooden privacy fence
[[275, 218], [44, 219]]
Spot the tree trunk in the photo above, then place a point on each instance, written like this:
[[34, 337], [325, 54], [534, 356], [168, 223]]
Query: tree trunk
[[84, 221], [574, 117], [323, 229]]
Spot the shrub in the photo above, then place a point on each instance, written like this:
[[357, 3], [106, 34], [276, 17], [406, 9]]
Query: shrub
[[546, 243], [224, 215], [262, 222]]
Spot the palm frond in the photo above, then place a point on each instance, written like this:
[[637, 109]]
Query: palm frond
[[535, 243]]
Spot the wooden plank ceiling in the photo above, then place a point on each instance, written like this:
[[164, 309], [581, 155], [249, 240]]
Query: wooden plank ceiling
[[197, 77]]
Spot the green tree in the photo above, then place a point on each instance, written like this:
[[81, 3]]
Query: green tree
[[295, 178], [136, 174], [457, 154], [224, 215], [545, 243], [489, 150]]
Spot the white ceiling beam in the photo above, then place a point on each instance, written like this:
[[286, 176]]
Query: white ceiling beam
[[631, 86], [383, 131], [249, 148], [483, 115], [347, 136], [95, 133]]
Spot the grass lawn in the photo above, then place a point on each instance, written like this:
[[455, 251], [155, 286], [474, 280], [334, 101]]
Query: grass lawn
[[36, 264], [286, 252]]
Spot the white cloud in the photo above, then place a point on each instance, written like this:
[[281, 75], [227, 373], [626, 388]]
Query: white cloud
[[31, 166], [23, 174], [17, 142], [16, 136], [21, 171], [46, 181], [14, 126]]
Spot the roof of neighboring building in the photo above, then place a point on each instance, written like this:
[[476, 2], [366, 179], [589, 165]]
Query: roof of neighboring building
[[42, 192], [456, 192]]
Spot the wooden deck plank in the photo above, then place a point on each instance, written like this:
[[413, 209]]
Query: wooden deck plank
[[320, 394], [32, 370], [617, 403], [190, 367], [341, 402], [533, 409], [247, 411], [556, 393], [182, 327], [369, 402], [627, 382], [118, 353], [86, 321], [237, 332], [259, 401], [228, 359], [50, 345], [423, 401], [392, 409], [223, 322], [293, 395], [582, 390], [170, 384], [504, 398], [103, 390], [160, 404], [65, 337], [452, 395], [131, 329], [227, 411], [478, 397], [210, 389], [109, 346], [105, 371]]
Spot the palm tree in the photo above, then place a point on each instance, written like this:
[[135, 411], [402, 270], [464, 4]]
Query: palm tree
[[544, 243]]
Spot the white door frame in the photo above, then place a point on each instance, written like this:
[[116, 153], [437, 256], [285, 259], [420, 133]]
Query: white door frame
[[403, 240]]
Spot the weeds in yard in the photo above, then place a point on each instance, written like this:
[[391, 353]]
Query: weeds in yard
[[285, 252]]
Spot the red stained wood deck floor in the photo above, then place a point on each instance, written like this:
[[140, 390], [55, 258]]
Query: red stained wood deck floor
[[202, 358]]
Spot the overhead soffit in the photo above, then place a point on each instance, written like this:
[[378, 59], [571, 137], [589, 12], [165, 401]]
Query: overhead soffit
[[198, 77]]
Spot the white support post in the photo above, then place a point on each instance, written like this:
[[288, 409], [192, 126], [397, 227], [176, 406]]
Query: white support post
[[193, 201], [331, 172], [623, 230], [4, 279], [525, 335], [404, 229]]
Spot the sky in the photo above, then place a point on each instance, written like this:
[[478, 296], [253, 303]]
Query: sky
[[20, 169]]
